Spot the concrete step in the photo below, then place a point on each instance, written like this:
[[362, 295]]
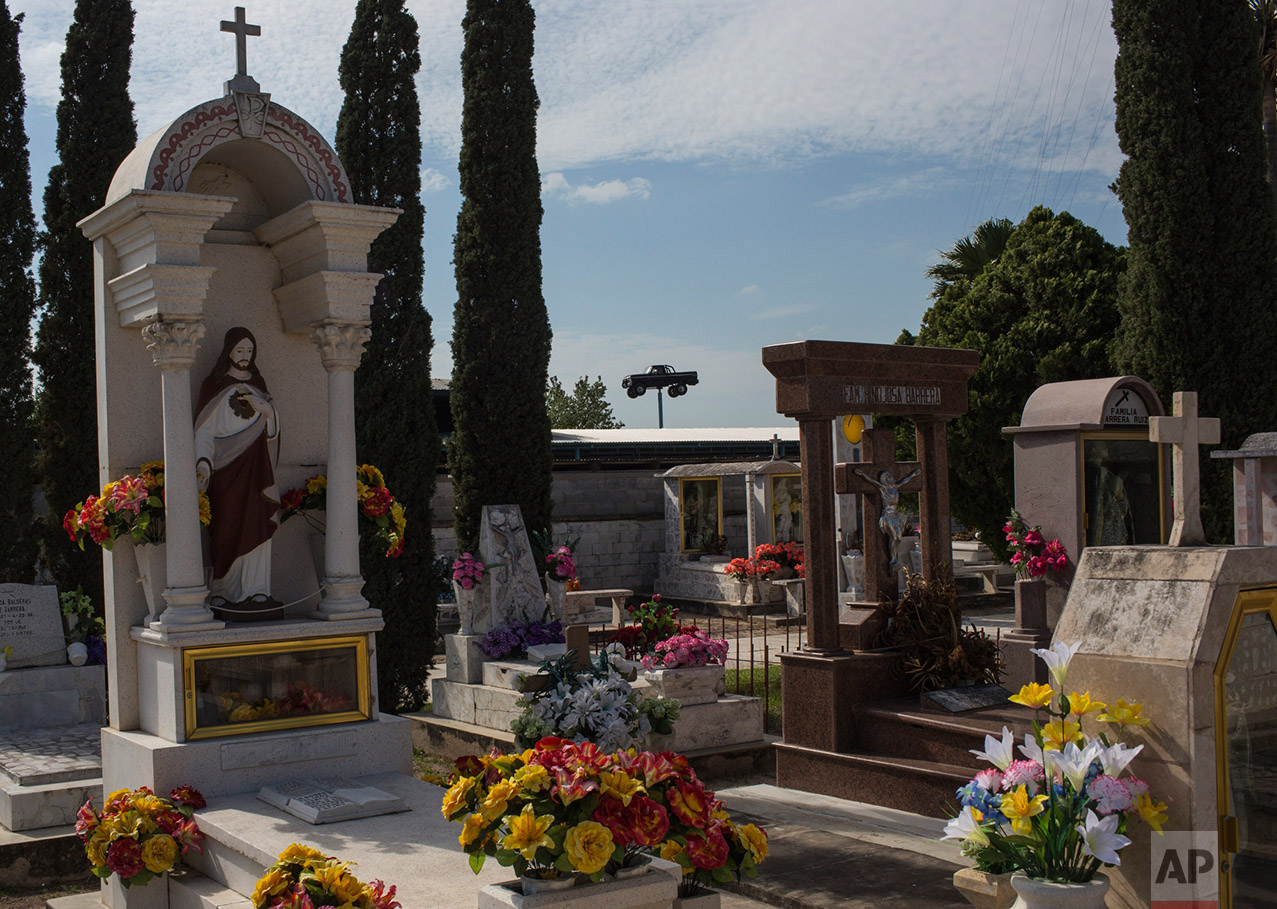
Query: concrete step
[[45, 805], [481, 705]]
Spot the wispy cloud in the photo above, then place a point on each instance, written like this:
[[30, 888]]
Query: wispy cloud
[[433, 181], [931, 179], [784, 312], [557, 186], [749, 290]]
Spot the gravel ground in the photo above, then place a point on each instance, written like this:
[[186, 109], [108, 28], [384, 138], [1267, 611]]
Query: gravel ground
[[35, 899]]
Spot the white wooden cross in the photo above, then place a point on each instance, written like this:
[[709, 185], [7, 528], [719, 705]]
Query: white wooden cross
[[1185, 431]]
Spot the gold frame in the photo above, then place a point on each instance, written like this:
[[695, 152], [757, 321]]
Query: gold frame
[[771, 498], [1114, 435], [191, 655], [1249, 602], [718, 500]]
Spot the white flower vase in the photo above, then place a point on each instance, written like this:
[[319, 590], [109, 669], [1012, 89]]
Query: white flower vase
[[1035, 894], [557, 597], [152, 574], [77, 653], [465, 607]]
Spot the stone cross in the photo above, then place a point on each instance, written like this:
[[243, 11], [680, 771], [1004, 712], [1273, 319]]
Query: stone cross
[[880, 454], [1185, 431], [241, 29]]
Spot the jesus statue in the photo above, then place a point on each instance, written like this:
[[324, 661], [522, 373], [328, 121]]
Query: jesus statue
[[236, 450]]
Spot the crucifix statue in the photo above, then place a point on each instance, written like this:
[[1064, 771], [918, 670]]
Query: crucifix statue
[[880, 479], [1185, 431]]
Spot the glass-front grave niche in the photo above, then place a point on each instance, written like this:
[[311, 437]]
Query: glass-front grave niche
[[232, 689], [700, 508], [1122, 482]]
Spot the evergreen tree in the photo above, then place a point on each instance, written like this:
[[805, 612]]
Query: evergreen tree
[[1203, 246], [17, 308], [585, 407], [499, 452], [379, 141], [95, 132]]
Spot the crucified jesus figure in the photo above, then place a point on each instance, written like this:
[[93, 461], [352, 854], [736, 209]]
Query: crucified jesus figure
[[890, 522]]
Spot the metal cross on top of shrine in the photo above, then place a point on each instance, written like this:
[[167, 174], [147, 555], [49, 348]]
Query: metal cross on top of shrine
[[241, 30], [1185, 431], [879, 448]]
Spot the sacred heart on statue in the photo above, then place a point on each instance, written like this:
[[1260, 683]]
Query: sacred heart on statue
[[240, 406]]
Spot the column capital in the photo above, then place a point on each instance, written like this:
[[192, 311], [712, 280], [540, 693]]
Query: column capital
[[341, 345], [173, 345]]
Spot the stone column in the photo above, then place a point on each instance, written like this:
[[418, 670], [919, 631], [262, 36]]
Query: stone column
[[821, 536], [933, 456], [173, 346], [340, 349]]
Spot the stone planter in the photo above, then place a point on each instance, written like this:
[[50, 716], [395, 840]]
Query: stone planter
[[653, 890], [465, 607], [1052, 895], [532, 885], [984, 890], [1030, 605], [710, 899], [152, 574], [690, 684], [558, 597]]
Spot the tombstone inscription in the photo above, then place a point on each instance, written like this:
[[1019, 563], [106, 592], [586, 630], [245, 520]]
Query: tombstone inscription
[[31, 623]]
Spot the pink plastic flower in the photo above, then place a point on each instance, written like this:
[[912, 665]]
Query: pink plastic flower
[[1023, 773], [989, 780], [1110, 794], [130, 494], [1033, 538], [1037, 566]]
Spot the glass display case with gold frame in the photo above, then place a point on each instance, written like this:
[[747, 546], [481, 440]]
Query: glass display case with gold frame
[[787, 507], [700, 510], [232, 689]]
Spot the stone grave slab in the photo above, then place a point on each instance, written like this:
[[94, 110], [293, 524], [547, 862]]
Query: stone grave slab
[[329, 799], [35, 757], [965, 699], [31, 623], [514, 582]]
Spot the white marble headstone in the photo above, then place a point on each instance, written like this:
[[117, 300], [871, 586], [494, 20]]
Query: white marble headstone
[[515, 587], [31, 623]]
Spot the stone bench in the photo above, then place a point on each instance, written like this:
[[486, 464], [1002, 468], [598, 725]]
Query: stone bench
[[581, 609], [988, 574]]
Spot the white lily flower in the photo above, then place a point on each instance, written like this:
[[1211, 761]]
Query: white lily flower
[[966, 827], [1031, 749], [999, 754], [1057, 660], [1072, 763], [1115, 758], [1101, 839]]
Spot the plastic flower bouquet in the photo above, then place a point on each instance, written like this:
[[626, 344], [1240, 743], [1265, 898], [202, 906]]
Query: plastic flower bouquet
[[467, 571], [744, 569], [693, 648], [513, 640], [1031, 555], [786, 555], [1061, 810], [655, 621], [560, 566], [563, 808], [304, 878], [129, 505], [379, 514], [139, 835], [595, 704]]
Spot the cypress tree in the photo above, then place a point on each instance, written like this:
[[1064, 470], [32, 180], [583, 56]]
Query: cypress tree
[[95, 132], [379, 141], [17, 308], [500, 448], [1201, 266]]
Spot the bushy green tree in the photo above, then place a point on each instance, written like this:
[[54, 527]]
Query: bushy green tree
[[585, 407], [1045, 311], [499, 451], [1203, 249], [379, 141], [17, 308], [95, 133]]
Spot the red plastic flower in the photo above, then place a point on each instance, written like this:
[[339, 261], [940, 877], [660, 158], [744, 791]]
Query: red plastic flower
[[189, 796], [377, 502], [293, 499], [616, 818], [124, 857], [71, 523], [468, 765], [85, 821], [689, 803], [649, 822], [708, 851]]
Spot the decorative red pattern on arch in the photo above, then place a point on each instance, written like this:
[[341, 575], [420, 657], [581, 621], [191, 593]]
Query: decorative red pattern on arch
[[320, 150], [182, 134]]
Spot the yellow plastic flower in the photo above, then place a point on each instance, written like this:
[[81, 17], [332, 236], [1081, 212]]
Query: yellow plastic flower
[[1081, 704], [298, 853], [1034, 695], [1125, 714], [753, 839], [96, 847], [1153, 812], [206, 509], [527, 832], [1019, 809], [148, 804], [589, 846], [494, 805], [471, 829], [670, 850], [317, 484], [371, 475], [124, 824], [335, 877], [110, 488], [620, 785], [271, 884], [455, 798], [159, 853], [533, 778], [1057, 733]]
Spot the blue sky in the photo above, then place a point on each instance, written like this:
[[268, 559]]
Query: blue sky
[[718, 175]]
